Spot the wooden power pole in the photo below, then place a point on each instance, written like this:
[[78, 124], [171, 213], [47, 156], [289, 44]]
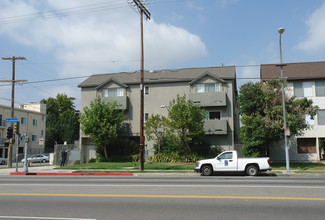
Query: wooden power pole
[[142, 10], [13, 81]]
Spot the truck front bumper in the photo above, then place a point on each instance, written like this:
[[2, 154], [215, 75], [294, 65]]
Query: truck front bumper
[[197, 170]]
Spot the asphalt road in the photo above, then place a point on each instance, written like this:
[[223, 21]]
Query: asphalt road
[[217, 197]]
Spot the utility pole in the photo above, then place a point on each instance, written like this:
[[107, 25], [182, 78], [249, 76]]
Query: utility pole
[[142, 10], [13, 81]]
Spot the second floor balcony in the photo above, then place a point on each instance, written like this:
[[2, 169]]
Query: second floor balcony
[[122, 101], [209, 99], [216, 127]]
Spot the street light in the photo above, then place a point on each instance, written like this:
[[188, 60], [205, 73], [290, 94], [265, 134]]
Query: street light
[[281, 31]]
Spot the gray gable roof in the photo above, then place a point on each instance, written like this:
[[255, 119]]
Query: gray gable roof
[[207, 74], [111, 80], [161, 76]]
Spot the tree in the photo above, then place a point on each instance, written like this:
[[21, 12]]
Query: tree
[[155, 129], [62, 121], [260, 107], [186, 120], [101, 122]]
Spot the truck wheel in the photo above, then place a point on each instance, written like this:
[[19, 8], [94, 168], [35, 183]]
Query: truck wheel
[[251, 170], [206, 170]]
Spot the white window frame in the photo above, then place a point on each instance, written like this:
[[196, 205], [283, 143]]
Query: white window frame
[[23, 120], [146, 117], [34, 138], [306, 89], [112, 92], [146, 90], [204, 87], [35, 122]]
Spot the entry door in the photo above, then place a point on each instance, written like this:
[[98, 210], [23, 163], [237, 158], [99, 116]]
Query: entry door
[[226, 162]]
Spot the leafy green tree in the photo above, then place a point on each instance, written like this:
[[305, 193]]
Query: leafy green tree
[[101, 122], [62, 121], [155, 129], [186, 120], [260, 107]]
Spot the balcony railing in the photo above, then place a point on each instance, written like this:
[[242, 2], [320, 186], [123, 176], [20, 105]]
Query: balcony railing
[[215, 127], [122, 101], [209, 99]]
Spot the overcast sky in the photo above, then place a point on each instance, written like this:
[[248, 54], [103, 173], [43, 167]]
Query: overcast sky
[[77, 38]]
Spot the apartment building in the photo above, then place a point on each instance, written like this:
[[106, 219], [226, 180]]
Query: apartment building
[[303, 80], [213, 88], [32, 119]]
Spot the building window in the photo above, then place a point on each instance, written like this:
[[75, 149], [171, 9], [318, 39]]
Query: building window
[[213, 115], [201, 88], [146, 116], [320, 88], [42, 133], [306, 145], [112, 92], [23, 120], [146, 90], [43, 117], [35, 122], [34, 138], [321, 117], [303, 89], [1, 122]]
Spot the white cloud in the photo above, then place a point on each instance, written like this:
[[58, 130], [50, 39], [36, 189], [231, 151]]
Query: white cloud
[[316, 32], [112, 35]]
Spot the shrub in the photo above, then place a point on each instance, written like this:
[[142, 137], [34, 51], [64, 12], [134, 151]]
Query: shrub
[[92, 160]]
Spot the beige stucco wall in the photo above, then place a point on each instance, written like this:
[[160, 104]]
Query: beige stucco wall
[[159, 97]]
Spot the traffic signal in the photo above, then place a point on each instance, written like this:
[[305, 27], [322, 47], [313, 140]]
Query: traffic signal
[[9, 132], [16, 128]]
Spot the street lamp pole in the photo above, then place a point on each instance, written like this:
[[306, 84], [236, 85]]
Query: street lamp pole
[[281, 31]]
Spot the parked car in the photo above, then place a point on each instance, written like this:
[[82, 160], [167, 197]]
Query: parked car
[[228, 161], [3, 161], [37, 158]]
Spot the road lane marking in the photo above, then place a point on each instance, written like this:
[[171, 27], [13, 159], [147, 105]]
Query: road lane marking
[[164, 196], [162, 185], [44, 218]]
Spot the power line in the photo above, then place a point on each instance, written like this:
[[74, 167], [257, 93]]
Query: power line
[[90, 8], [63, 12]]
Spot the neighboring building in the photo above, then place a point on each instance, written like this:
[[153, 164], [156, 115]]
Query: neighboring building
[[303, 80], [32, 119], [213, 88]]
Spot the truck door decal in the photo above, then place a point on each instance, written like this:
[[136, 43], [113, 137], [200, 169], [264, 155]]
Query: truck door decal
[[226, 163]]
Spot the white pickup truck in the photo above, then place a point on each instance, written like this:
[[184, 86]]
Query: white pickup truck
[[228, 161]]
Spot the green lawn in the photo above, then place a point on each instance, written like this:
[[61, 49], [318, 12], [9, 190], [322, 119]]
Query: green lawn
[[132, 166]]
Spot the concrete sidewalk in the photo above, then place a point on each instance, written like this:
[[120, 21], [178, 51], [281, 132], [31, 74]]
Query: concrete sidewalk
[[33, 169], [50, 171]]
